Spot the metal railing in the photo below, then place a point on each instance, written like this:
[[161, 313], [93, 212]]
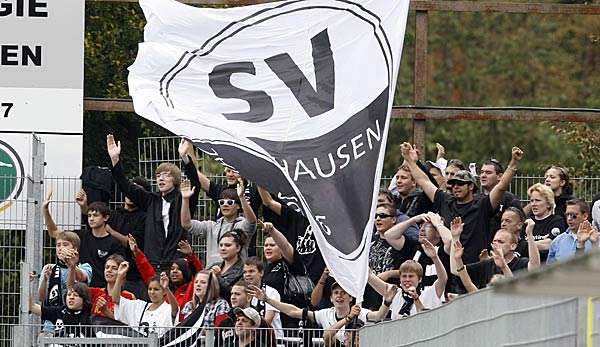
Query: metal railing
[[102, 335]]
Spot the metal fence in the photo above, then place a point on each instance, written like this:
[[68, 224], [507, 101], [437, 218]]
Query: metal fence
[[102, 335], [21, 225]]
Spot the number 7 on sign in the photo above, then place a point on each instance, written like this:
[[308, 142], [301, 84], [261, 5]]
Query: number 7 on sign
[[8, 106]]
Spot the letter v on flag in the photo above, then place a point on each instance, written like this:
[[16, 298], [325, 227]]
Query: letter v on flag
[[295, 95]]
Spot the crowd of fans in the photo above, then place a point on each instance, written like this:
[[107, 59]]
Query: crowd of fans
[[441, 230]]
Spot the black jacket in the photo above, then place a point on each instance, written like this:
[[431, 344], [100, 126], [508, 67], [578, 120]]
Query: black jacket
[[159, 250]]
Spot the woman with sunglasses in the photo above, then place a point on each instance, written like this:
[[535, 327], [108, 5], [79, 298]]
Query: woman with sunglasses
[[213, 231]]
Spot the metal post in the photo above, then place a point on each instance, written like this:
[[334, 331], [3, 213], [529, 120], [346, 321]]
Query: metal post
[[421, 77], [33, 239]]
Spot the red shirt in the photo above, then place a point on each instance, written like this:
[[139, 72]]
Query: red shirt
[[97, 293]]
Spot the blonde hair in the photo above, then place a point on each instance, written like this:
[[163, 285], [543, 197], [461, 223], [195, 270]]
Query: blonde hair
[[545, 192], [412, 266], [71, 237], [173, 170]]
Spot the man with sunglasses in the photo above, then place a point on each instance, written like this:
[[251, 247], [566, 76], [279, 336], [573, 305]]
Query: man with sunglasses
[[579, 237], [229, 204], [489, 176], [476, 214]]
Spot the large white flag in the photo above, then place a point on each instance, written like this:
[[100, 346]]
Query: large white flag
[[295, 95]]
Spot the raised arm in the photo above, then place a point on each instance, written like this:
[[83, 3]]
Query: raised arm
[[115, 292], [534, 252], [442, 276], [53, 229], [502, 186], [187, 191], [268, 201], [462, 272], [138, 195], [377, 283], [410, 157], [288, 309], [445, 234], [33, 306], [248, 212], [81, 200], [287, 250], [317, 294], [187, 153], [390, 293], [144, 267], [164, 283], [186, 249], [456, 228], [43, 287]]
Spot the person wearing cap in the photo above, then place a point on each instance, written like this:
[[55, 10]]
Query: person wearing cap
[[327, 317], [489, 176], [462, 203], [250, 330], [239, 298]]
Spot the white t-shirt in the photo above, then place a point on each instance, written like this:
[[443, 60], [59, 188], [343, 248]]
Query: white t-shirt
[[165, 215], [131, 311], [271, 293], [428, 298], [326, 319]]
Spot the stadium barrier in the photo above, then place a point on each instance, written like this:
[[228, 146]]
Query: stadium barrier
[[185, 337], [486, 318]]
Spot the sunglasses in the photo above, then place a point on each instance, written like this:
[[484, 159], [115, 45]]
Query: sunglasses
[[382, 215], [571, 215], [228, 202], [457, 183]]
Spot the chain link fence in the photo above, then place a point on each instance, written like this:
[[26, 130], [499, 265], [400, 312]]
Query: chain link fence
[[21, 226]]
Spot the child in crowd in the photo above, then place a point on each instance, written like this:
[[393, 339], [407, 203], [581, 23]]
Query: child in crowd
[[53, 285], [71, 319], [154, 316]]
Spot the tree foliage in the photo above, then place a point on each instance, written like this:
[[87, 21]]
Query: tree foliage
[[475, 59]]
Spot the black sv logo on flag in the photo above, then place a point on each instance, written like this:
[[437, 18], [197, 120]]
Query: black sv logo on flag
[[314, 101]]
